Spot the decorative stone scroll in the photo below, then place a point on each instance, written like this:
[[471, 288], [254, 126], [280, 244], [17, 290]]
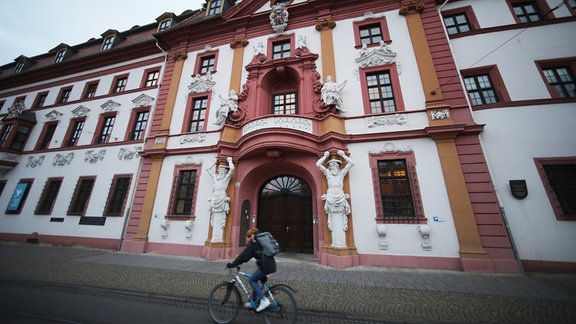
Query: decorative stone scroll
[[93, 157], [110, 105], [128, 153], [201, 83], [424, 231], [378, 121], [33, 162], [376, 56], [193, 138], [382, 240], [53, 115], [439, 114], [80, 111], [142, 100], [63, 159]]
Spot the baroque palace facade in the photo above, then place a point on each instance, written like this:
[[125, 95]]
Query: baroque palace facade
[[405, 133]]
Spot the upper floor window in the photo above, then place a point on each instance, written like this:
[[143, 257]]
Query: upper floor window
[[2, 102], [460, 20], [281, 49], [485, 86], [105, 126], [152, 78], [559, 178], [14, 135], [119, 84], [196, 115], [81, 196], [48, 196], [214, 7], [207, 64], [5, 133], [562, 80], [60, 56], [108, 42], [64, 95], [46, 135], [117, 196], [40, 99], [370, 32], [90, 90], [380, 92], [74, 132], [139, 121], [526, 11], [20, 137], [19, 196], [165, 24], [284, 103]]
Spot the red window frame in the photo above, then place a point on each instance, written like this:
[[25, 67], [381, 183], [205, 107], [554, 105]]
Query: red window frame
[[381, 21]]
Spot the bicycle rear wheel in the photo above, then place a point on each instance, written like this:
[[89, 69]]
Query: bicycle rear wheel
[[283, 309], [224, 303]]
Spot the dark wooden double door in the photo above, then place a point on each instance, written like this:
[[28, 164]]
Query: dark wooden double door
[[285, 210]]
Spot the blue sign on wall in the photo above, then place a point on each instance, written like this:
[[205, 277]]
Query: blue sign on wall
[[17, 196]]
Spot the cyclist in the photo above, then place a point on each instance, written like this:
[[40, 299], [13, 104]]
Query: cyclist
[[266, 265]]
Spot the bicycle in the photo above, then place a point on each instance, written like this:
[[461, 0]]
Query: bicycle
[[224, 301]]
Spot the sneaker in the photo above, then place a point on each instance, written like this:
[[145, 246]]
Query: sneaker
[[263, 304], [248, 305]]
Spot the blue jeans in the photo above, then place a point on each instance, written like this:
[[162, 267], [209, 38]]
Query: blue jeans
[[253, 281]]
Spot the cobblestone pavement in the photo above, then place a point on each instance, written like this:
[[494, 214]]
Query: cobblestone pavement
[[358, 294]]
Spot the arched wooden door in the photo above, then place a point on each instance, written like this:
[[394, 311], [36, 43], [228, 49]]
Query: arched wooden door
[[285, 210]]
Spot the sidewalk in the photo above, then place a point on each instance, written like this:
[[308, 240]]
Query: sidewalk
[[387, 294]]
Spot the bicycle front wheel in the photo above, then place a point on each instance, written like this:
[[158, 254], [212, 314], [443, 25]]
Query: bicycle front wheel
[[283, 308], [224, 303]]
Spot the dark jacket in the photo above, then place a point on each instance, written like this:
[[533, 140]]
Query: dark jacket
[[266, 264]]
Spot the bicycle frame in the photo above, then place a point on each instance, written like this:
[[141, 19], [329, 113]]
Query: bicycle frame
[[265, 287]]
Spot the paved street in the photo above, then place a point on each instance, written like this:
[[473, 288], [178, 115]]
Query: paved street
[[384, 294]]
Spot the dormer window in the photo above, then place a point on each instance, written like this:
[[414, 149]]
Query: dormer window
[[19, 67], [165, 24], [60, 56], [214, 7], [108, 42]]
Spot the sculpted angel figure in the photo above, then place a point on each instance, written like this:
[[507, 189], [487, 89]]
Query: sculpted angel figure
[[331, 93], [227, 105]]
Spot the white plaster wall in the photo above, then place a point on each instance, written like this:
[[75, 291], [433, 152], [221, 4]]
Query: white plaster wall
[[403, 239], [530, 132], [176, 232]]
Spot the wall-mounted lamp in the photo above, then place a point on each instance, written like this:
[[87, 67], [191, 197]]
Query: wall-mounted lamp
[[519, 189]]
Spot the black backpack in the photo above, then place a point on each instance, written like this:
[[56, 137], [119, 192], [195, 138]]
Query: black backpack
[[268, 243]]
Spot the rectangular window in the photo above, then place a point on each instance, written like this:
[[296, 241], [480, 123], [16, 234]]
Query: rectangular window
[[46, 136], [380, 92], [395, 189], [117, 195], [81, 196], [75, 133], [19, 196], [48, 197], [60, 56], [207, 64], [120, 84], [371, 34], [559, 178], [64, 95], [5, 133], [284, 103], [20, 137], [139, 126], [197, 115], [19, 67], [40, 100], [527, 12], [214, 7], [480, 89], [184, 193], [152, 78], [108, 42], [281, 49], [90, 90], [165, 24], [562, 80], [456, 24], [107, 124]]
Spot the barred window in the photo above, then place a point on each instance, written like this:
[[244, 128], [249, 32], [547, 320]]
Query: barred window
[[395, 189], [182, 202], [559, 178], [81, 196], [117, 195], [49, 195]]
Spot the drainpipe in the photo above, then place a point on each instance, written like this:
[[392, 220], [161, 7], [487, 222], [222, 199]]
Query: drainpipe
[[469, 104], [146, 134]]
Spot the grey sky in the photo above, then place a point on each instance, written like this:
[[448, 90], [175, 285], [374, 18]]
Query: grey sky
[[33, 27]]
